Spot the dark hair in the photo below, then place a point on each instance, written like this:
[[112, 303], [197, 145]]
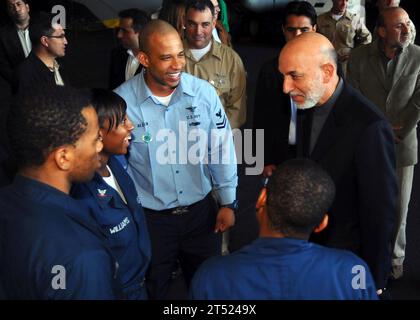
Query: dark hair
[[5, 4], [44, 118], [300, 8], [298, 195], [172, 12], [140, 18], [108, 105], [199, 5], [41, 25]]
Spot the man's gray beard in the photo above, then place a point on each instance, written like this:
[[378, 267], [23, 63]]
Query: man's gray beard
[[308, 104], [405, 44], [315, 94], [312, 100]]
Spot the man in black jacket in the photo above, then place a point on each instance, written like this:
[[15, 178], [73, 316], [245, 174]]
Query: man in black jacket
[[124, 63], [15, 43], [352, 140], [41, 66]]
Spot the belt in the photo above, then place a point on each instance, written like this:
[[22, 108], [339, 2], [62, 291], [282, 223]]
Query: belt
[[177, 211]]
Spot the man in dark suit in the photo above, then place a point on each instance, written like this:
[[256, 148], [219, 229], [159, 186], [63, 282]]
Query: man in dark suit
[[15, 43], [124, 63], [274, 111], [41, 66], [348, 136]]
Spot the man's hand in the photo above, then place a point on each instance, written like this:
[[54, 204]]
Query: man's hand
[[268, 170], [225, 219]]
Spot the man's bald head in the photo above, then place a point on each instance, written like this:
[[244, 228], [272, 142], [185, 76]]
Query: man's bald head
[[309, 66], [311, 46], [153, 27]]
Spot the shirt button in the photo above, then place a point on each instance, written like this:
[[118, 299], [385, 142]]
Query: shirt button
[[177, 171], [180, 192]]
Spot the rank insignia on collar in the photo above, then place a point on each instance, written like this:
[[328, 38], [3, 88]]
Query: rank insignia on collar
[[102, 193]]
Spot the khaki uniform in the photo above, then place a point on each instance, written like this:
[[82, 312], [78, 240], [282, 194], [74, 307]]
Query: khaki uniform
[[345, 34], [223, 69]]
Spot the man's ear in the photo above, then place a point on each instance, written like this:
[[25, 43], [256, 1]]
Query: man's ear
[[381, 32], [144, 60], [322, 225], [328, 70], [44, 41], [261, 205], [261, 215], [63, 157], [314, 28]]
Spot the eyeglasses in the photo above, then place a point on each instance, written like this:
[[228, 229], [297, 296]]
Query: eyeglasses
[[61, 36]]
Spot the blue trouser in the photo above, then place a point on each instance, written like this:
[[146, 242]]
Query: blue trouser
[[188, 237]]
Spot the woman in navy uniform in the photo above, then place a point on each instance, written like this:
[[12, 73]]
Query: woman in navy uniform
[[112, 197]]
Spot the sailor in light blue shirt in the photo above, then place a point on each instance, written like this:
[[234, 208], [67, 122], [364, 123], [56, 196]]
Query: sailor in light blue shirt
[[169, 179], [182, 149]]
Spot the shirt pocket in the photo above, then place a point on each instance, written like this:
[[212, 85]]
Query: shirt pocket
[[120, 232], [346, 34], [198, 118], [142, 138], [115, 220], [222, 85]]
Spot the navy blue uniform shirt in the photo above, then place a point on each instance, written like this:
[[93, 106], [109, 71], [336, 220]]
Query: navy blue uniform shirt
[[50, 248], [124, 225], [284, 268]]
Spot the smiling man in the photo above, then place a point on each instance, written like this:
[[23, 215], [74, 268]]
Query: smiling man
[[41, 66], [214, 62], [183, 219]]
